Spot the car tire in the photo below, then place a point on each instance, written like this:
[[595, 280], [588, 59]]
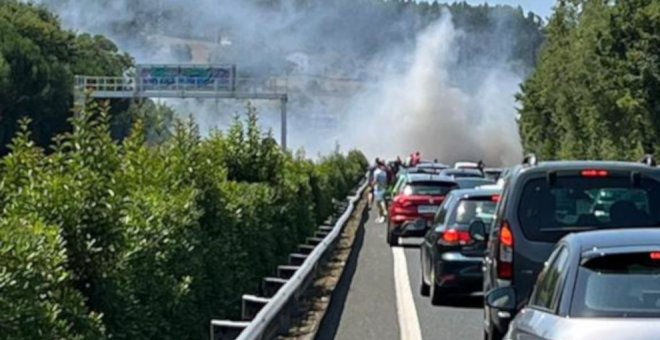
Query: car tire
[[492, 333], [435, 291], [424, 289], [392, 238]]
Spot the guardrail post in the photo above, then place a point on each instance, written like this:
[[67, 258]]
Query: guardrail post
[[305, 249], [286, 272], [251, 305], [271, 285], [314, 240], [227, 330], [297, 259]]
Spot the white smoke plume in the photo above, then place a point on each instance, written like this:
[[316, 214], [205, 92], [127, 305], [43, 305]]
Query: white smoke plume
[[379, 90], [420, 109]]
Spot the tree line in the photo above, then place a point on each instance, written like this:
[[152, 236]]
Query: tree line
[[596, 91]]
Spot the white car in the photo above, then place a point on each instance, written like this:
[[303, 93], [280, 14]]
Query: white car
[[466, 165]]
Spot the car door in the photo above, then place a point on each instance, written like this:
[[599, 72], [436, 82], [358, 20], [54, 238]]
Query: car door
[[432, 235], [540, 319]]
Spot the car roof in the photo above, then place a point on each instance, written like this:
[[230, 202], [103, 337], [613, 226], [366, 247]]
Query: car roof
[[614, 238], [432, 165], [473, 179], [417, 177], [467, 193], [579, 165], [494, 186], [463, 170]]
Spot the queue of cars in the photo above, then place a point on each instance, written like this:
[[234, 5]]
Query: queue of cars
[[560, 249]]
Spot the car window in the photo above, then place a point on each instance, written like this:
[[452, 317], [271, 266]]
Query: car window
[[399, 184], [551, 281], [621, 285], [441, 215], [467, 210], [472, 182], [428, 188], [574, 203]]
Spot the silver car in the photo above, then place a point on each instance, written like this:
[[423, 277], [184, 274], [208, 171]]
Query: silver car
[[595, 285]]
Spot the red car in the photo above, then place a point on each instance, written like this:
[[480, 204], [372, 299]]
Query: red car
[[416, 198]]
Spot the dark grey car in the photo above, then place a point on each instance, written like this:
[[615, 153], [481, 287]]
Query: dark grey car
[[595, 285], [542, 202], [450, 259]]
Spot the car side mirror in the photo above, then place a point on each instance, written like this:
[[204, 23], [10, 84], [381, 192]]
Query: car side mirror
[[502, 299], [478, 230]]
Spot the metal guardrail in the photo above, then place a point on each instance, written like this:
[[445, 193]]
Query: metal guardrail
[[274, 315]]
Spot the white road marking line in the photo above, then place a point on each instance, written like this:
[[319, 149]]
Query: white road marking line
[[406, 311]]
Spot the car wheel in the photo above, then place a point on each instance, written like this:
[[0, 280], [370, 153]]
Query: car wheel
[[436, 292], [492, 333], [424, 288], [392, 238]]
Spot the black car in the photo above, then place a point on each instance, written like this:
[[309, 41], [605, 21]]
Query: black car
[[542, 202], [601, 284], [451, 260]]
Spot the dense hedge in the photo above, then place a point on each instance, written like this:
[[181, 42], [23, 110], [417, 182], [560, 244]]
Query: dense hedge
[[595, 92], [136, 241]]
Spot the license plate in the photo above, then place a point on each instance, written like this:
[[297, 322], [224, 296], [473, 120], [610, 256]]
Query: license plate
[[427, 209]]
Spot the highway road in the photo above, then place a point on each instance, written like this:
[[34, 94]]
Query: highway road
[[379, 298]]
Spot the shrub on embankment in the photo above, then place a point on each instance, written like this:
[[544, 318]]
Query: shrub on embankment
[[139, 241]]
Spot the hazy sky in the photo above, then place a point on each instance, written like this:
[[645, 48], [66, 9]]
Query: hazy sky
[[541, 7]]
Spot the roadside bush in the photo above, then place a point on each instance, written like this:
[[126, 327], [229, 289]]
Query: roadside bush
[[140, 240]]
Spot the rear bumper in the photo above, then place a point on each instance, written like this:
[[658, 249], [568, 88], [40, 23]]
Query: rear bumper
[[396, 226], [459, 273]]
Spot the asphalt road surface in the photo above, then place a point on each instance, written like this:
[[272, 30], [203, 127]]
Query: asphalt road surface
[[378, 297]]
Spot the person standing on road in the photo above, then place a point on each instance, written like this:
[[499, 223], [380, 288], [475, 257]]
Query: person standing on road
[[380, 188], [370, 195]]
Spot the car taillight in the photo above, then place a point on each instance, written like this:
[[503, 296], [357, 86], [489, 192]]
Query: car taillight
[[453, 237], [404, 202], [655, 256], [595, 173], [505, 257]]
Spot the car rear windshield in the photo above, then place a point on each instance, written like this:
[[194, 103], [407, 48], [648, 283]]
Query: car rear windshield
[[622, 285], [470, 183], [575, 203], [429, 188], [468, 210]]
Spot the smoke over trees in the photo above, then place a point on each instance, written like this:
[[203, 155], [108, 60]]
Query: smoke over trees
[[334, 52]]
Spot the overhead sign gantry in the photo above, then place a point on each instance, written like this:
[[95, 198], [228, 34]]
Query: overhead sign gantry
[[186, 81]]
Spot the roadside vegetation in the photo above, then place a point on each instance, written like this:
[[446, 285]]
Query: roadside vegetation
[[595, 92], [123, 222], [139, 241]]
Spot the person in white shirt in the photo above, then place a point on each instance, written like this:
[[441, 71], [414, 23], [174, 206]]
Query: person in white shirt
[[380, 188]]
